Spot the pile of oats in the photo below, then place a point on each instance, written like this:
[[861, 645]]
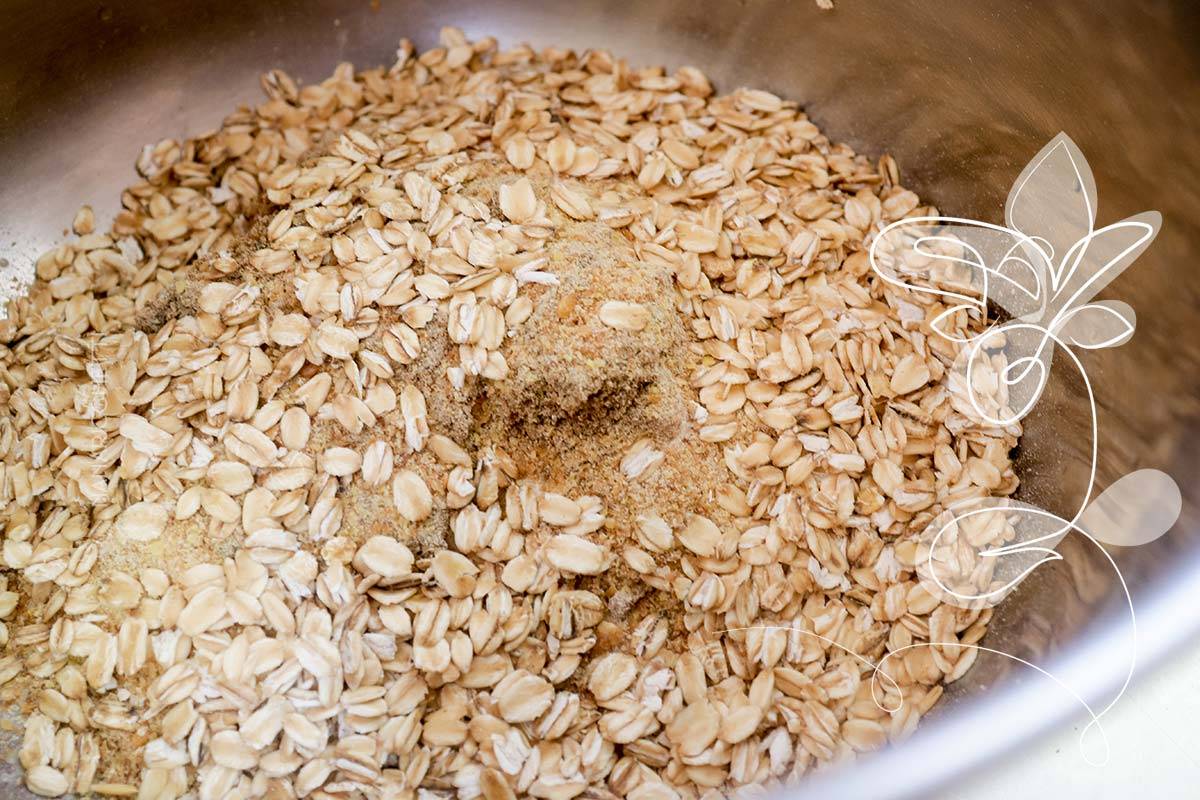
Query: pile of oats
[[500, 423]]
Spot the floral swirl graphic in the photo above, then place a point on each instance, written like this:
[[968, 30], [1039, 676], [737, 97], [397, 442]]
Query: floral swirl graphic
[[1042, 271]]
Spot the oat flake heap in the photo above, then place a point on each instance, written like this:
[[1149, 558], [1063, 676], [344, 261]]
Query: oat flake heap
[[456, 429]]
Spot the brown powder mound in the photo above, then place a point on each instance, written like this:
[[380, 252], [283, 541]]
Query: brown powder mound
[[570, 375], [563, 359], [579, 394]]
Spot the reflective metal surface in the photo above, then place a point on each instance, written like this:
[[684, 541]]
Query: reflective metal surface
[[963, 94]]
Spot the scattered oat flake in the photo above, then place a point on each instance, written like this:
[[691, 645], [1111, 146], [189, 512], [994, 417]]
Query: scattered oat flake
[[142, 522]]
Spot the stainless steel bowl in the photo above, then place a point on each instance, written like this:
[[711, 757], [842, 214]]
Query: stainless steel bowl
[[963, 94]]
